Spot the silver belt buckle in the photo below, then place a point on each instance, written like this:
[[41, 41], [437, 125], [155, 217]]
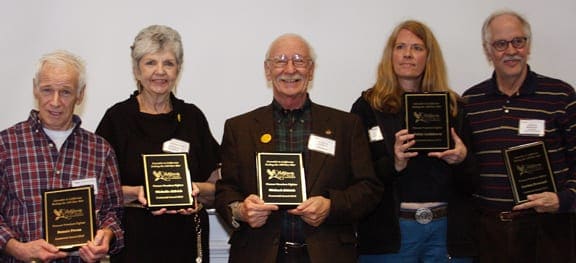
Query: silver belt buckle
[[423, 215]]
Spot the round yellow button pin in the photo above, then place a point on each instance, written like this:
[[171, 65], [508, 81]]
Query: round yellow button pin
[[266, 138]]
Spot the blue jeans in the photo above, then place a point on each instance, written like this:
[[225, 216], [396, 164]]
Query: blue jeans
[[419, 244]]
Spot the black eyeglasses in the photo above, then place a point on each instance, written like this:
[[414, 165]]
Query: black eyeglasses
[[517, 42], [282, 61]]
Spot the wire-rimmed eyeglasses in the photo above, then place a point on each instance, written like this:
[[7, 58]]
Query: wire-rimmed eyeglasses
[[281, 61]]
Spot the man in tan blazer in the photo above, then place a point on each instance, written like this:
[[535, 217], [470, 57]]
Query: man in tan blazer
[[341, 186]]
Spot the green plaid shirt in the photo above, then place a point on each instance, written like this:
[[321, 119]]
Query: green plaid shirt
[[292, 129]]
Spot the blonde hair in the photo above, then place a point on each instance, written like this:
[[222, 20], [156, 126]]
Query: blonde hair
[[386, 94]]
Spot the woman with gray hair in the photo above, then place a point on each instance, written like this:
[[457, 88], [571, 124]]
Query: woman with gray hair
[[154, 121]]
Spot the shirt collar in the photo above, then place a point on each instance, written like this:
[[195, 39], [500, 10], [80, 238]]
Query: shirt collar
[[298, 113], [528, 86]]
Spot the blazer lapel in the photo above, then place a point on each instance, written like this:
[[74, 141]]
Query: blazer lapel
[[263, 130], [320, 127]]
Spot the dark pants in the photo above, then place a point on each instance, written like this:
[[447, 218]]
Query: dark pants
[[531, 237]]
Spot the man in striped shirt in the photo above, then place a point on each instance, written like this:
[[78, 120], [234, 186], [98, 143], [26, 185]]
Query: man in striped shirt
[[50, 151], [499, 109]]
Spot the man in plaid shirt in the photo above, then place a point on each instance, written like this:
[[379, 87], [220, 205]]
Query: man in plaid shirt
[[50, 151]]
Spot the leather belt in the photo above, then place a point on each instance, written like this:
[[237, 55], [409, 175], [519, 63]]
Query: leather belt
[[508, 216], [290, 247], [134, 205], [424, 215]]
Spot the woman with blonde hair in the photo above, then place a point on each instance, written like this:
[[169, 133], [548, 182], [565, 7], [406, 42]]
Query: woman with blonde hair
[[426, 214]]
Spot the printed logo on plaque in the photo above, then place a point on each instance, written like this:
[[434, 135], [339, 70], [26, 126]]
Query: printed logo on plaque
[[281, 178], [167, 181], [427, 116], [529, 170], [68, 215]]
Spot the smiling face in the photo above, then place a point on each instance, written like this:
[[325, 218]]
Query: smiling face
[[409, 56], [289, 80], [157, 72], [510, 63], [57, 93]]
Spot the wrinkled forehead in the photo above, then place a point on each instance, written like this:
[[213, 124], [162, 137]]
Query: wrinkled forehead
[[56, 66], [289, 46], [60, 71], [58, 76]]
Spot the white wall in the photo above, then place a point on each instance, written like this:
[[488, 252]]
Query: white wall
[[225, 42]]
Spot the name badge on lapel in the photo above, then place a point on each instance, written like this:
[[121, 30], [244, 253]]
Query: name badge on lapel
[[531, 128], [322, 144]]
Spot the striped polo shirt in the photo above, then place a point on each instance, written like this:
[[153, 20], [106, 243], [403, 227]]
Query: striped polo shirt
[[494, 119]]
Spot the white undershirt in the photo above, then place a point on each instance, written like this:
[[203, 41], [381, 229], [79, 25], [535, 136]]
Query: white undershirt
[[58, 137]]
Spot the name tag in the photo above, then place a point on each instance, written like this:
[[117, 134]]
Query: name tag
[[175, 146], [375, 134], [86, 181], [531, 128], [321, 144]]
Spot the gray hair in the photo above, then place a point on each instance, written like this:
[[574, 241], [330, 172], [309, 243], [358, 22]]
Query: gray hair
[[292, 35], [156, 38], [487, 34], [62, 58]]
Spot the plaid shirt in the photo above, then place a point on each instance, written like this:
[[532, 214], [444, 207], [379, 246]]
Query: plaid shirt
[[30, 163], [292, 128]]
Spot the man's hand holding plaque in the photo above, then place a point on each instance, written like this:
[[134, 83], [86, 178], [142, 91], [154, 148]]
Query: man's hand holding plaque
[[69, 217], [529, 171], [427, 116]]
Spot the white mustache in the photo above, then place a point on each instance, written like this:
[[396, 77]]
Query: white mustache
[[511, 58], [290, 77]]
